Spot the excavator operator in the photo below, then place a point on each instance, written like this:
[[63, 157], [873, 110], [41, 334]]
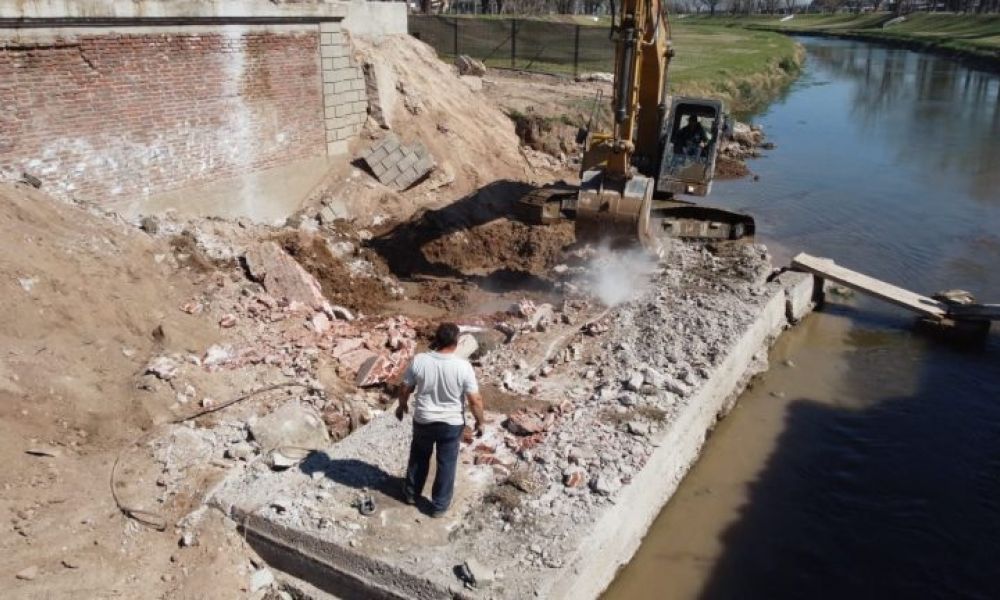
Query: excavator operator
[[691, 138]]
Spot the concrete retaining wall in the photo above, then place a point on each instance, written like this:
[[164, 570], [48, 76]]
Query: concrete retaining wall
[[617, 535]]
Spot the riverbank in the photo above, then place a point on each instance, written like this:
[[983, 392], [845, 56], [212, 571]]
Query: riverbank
[[746, 68], [973, 38]]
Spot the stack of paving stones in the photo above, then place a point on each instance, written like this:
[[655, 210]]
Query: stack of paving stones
[[396, 164]]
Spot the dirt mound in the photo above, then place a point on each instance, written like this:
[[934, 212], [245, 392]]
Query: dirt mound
[[423, 99], [81, 297], [474, 237], [501, 245]]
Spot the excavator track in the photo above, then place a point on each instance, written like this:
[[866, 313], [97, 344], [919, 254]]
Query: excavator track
[[667, 219]]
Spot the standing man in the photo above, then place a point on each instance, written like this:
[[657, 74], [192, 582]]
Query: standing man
[[441, 381]]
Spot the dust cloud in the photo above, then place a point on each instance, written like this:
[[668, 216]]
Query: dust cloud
[[619, 275]]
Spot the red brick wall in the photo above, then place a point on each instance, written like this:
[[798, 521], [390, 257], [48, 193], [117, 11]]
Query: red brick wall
[[116, 116]]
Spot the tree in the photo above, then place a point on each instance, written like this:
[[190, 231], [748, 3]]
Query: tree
[[711, 5]]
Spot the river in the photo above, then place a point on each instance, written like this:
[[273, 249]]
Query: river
[[866, 462]]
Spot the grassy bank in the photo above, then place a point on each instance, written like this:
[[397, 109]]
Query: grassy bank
[[973, 36], [744, 67]]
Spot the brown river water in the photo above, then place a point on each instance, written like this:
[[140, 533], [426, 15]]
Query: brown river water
[[866, 462]]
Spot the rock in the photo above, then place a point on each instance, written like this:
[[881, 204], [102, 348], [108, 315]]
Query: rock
[[150, 225], [525, 423], [480, 576], [289, 433], [260, 579], [282, 276], [216, 355], [574, 477], [28, 574], [638, 428], [467, 346], [627, 400], [187, 539], [337, 423], [788, 363], [652, 377], [635, 381], [228, 320], [163, 367], [604, 485], [320, 323], [71, 562], [542, 318], [469, 66], [241, 451], [376, 369], [674, 386], [487, 341]]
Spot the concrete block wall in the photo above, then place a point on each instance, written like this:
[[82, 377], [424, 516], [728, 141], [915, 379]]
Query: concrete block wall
[[345, 102]]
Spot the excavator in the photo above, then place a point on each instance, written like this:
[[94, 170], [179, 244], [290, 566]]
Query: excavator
[[631, 177]]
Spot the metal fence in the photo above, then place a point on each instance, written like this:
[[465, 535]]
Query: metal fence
[[540, 46]]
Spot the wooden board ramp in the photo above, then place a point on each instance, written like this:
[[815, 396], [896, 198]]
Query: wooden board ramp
[[827, 269]]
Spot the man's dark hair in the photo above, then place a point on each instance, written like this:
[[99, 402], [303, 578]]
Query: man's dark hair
[[445, 336]]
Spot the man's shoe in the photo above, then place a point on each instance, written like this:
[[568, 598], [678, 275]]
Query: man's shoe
[[409, 499], [437, 514]]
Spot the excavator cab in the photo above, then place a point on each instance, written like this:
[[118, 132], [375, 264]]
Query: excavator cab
[[691, 134]]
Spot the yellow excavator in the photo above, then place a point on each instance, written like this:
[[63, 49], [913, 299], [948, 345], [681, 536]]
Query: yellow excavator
[[630, 177]]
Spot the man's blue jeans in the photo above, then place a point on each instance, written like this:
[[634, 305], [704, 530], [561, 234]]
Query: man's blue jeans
[[425, 437]]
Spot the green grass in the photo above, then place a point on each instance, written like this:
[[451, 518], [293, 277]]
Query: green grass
[[745, 67], [975, 35]]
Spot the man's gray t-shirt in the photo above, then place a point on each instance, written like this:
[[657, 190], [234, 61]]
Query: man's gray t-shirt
[[440, 381]]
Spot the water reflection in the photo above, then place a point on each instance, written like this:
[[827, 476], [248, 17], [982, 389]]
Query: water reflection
[[940, 115]]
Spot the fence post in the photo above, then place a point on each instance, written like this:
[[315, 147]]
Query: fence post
[[455, 39], [513, 43], [576, 52]]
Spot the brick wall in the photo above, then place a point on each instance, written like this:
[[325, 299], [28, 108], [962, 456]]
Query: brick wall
[[345, 99], [118, 115]]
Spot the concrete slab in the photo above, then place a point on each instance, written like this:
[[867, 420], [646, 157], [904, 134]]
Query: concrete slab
[[561, 520], [800, 290]]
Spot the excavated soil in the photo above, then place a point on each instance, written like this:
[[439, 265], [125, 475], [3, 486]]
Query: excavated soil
[[475, 237], [359, 291], [501, 245]]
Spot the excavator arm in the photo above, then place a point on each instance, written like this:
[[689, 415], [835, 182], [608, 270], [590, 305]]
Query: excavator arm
[[642, 58]]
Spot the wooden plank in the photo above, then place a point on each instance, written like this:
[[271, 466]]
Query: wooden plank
[[827, 269]]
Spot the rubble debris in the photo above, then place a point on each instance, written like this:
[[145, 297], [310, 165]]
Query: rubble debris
[[600, 76], [28, 573], [260, 579], [396, 164], [163, 367], [282, 276], [524, 422], [287, 435], [469, 66]]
